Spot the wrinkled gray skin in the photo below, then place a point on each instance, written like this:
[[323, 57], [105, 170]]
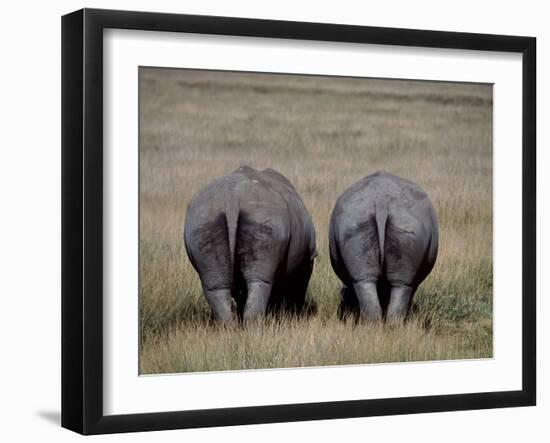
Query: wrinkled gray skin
[[383, 239], [252, 242]]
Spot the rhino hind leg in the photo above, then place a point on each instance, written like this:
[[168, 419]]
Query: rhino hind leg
[[289, 295], [400, 301], [259, 248], [256, 300], [349, 307], [296, 302], [221, 304], [369, 303]]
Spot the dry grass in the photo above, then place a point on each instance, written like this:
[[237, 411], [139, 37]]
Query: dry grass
[[323, 134], [318, 342]]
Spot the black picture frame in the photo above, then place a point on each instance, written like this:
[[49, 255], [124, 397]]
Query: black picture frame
[[82, 220]]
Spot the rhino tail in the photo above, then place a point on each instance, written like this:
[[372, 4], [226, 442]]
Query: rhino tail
[[232, 220], [381, 216]]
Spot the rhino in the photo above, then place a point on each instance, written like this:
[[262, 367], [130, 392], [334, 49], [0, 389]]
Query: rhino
[[252, 242], [383, 241]]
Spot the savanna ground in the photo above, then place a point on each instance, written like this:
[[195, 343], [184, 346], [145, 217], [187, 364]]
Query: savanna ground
[[323, 134]]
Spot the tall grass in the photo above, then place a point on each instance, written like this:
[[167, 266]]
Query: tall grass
[[288, 342], [323, 134]]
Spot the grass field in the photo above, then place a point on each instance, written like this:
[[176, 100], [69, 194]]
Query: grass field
[[323, 134]]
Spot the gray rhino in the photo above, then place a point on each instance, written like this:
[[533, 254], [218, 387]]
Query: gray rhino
[[383, 240], [252, 242]]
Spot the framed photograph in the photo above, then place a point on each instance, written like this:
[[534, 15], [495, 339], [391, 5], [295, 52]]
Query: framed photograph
[[269, 221]]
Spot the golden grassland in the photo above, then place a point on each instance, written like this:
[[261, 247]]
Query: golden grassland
[[323, 134]]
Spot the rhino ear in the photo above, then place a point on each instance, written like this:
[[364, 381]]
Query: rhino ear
[[278, 176]]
